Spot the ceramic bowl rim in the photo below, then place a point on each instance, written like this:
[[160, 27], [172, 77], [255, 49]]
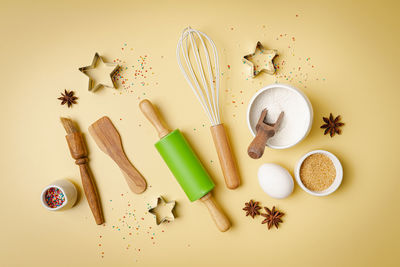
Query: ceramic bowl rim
[[336, 183], [44, 201], [293, 89]]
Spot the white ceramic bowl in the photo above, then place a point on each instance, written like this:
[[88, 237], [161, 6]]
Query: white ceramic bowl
[[251, 121], [336, 183], [69, 191]]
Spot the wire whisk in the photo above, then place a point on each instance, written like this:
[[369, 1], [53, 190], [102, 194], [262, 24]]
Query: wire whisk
[[202, 78], [197, 58]]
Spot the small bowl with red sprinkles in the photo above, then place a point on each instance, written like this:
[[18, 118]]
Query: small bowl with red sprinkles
[[59, 195]]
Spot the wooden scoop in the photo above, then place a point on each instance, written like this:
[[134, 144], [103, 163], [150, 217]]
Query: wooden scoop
[[264, 132], [108, 139]]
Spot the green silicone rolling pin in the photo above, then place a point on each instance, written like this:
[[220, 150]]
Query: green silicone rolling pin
[[185, 165]]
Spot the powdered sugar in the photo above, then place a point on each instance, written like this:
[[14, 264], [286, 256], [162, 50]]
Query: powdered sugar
[[296, 120]]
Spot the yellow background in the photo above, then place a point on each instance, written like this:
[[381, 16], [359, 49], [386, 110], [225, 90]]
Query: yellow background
[[353, 46]]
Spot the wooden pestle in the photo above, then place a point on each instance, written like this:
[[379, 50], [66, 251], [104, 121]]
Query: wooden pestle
[[79, 152]]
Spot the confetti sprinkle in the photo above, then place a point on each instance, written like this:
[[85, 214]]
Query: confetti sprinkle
[[129, 225], [54, 197], [129, 76]]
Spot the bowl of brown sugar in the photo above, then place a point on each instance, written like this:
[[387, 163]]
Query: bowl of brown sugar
[[319, 173]]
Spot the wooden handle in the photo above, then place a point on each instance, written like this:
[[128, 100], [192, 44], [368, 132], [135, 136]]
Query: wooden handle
[[217, 214], [78, 151], [257, 146], [225, 156], [133, 177], [151, 114], [90, 191], [76, 145]]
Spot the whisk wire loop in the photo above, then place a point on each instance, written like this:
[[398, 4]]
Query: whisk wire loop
[[201, 78], [200, 68], [196, 86]]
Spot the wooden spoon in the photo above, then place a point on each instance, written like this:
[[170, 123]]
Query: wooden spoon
[[108, 139]]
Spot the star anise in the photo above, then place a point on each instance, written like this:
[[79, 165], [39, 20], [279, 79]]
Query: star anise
[[272, 217], [252, 208], [68, 98], [332, 125]]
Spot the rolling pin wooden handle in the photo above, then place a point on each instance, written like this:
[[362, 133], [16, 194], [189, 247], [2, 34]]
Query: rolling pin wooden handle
[[257, 146], [151, 114], [225, 156], [217, 214], [90, 191]]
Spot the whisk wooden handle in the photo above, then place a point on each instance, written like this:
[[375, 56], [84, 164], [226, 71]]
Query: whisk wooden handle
[[151, 114], [225, 156]]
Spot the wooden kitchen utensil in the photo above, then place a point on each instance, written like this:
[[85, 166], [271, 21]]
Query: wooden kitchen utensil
[[108, 139], [185, 166], [264, 132], [78, 150], [197, 58]]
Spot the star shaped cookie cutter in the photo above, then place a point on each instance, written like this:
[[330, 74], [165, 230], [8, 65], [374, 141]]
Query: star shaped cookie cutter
[[93, 84], [268, 67], [161, 203]]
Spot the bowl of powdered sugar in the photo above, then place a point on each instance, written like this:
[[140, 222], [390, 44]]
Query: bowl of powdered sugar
[[297, 119]]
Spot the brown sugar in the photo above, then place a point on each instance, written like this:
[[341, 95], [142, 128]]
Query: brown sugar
[[317, 172]]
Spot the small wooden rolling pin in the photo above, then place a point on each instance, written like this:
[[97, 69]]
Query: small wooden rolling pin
[[78, 150]]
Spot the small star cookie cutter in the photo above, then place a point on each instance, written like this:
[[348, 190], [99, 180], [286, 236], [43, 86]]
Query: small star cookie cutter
[[161, 203], [268, 67], [93, 84]]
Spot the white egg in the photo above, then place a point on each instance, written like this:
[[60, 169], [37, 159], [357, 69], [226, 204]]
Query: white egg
[[275, 180]]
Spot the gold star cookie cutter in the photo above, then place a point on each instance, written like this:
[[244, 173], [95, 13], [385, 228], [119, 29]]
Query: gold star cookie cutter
[[167, 212], [267, 65], [93, 83]]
